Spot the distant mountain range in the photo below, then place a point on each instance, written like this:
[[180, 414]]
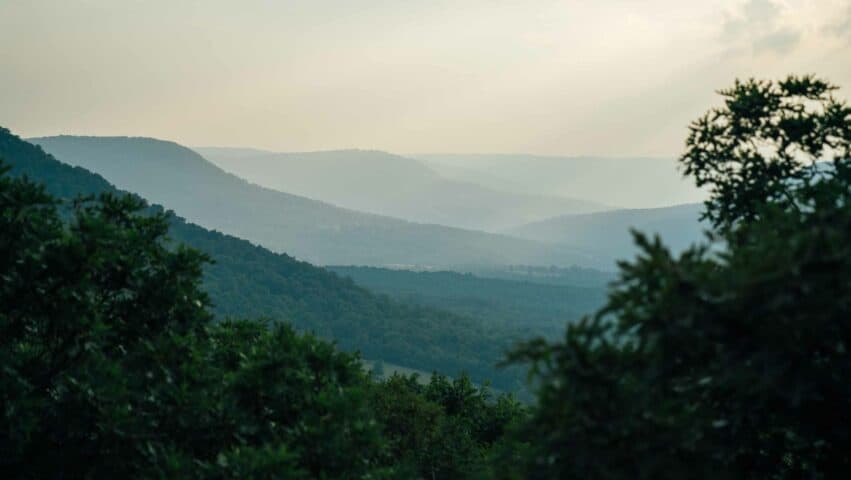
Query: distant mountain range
[[173, 175], [440, 320], [620, 182], [386, 184], [326, 234], [608, 232]]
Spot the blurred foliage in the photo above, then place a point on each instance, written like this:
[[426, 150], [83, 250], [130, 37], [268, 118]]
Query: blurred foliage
[[767, 139], [730, 360]]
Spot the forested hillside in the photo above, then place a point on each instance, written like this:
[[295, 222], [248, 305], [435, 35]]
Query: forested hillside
[[113, 368], [246, 280], [175, 176], [532, 308], [387, 184]]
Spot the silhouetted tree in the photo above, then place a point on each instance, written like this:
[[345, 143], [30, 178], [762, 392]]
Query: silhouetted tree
[[732, 359]]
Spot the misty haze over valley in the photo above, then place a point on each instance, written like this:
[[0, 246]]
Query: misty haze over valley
[[425, 240]]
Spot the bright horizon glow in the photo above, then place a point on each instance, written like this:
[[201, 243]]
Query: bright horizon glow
[[607, 78]]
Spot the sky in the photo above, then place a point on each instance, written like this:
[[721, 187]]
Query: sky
[[601, 77]]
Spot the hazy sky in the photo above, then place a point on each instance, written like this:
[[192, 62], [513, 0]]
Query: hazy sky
[[606, 77]]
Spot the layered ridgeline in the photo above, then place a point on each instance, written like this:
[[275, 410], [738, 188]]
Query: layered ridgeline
[[608, 232], [534, 308], [167, 173], [383, 183], [621, 182], [247, 280]]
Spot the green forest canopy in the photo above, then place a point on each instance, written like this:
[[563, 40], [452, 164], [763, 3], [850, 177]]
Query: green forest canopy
[[112, 368]]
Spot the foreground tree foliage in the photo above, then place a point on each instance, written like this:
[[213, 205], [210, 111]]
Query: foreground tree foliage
[[445, 428], [731, 360], [111, 368]]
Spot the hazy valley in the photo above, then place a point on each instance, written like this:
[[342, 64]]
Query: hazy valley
[[425, 240]]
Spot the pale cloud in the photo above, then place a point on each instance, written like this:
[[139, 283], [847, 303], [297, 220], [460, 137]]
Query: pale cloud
[[757, 26], [761, 11], [781, 41], [842, 27], [750, 16]]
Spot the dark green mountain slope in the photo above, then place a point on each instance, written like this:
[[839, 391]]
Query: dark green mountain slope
[[172, 175], [533, 308], [247, 280]]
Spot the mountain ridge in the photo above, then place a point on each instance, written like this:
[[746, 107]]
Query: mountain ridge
[[249, 280], [385, 183], [608, 232], [168, 173]]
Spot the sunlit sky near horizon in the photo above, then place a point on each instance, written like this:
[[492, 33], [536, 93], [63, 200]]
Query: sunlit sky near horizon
[[606, 77]]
